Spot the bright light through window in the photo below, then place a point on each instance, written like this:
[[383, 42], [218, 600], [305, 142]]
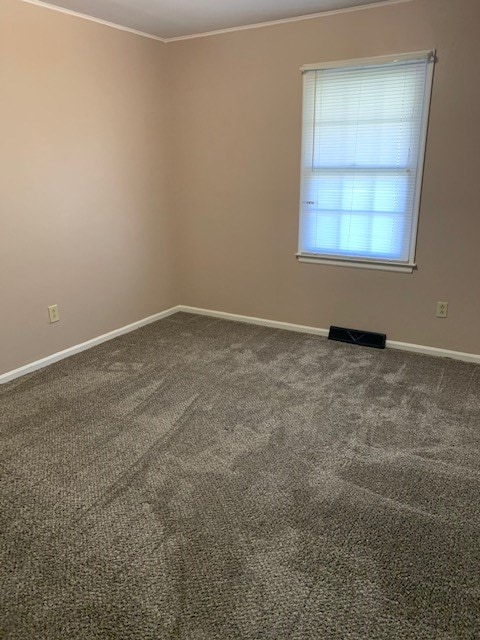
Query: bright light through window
[[364, 132]]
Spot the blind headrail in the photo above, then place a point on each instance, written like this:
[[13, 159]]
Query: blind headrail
[[359, 63]]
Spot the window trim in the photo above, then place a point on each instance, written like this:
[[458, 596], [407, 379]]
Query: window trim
[[383, 265], [358, 263]]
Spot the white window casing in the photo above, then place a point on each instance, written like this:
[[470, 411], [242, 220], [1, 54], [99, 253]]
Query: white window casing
[[363, 147]]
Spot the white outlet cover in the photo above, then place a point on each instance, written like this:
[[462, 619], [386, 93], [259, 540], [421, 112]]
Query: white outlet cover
[[53, 313], [442, 309]]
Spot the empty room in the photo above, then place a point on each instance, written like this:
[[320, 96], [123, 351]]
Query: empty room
[[239, 320]]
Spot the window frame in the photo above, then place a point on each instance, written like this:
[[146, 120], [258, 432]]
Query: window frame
[[372, 263]]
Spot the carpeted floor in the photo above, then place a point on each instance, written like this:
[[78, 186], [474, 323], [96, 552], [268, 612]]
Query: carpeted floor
[[208, 480]]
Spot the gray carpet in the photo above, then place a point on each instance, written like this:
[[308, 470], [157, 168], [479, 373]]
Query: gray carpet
[[208, 480]]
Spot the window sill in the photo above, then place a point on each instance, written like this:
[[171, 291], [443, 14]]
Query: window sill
[[357, 264]]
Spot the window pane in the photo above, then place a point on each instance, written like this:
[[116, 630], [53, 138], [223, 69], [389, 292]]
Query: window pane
[[386, 237], [382, 144]]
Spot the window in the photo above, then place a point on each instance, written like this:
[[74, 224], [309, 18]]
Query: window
[[364, 134]]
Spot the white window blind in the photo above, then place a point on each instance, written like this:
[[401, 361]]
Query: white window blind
[[364, 133]]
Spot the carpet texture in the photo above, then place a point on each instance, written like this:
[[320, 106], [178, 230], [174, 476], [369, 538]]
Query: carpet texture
[[201, 479]]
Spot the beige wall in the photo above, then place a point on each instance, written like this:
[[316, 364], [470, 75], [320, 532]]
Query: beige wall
[[83, 209], [136, 175], [237, 143]]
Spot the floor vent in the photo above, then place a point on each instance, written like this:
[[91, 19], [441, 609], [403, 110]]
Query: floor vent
[[354, 336]]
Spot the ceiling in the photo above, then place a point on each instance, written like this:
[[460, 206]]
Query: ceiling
[[176, 18]]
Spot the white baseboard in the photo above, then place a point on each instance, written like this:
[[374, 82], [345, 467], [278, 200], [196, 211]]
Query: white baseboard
[[275, 324], [60, 355], [434, 351], [391, 344]]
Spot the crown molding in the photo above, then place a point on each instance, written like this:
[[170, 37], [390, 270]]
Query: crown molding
[[84, 16], [273, 23], [193, 36]]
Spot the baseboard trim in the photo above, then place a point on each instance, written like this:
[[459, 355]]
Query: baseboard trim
[[274, 324], [391, 344], [434, 351], [66, 353]]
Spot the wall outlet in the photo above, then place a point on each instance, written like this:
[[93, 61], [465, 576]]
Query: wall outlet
[[53, 313], [442, 309]]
